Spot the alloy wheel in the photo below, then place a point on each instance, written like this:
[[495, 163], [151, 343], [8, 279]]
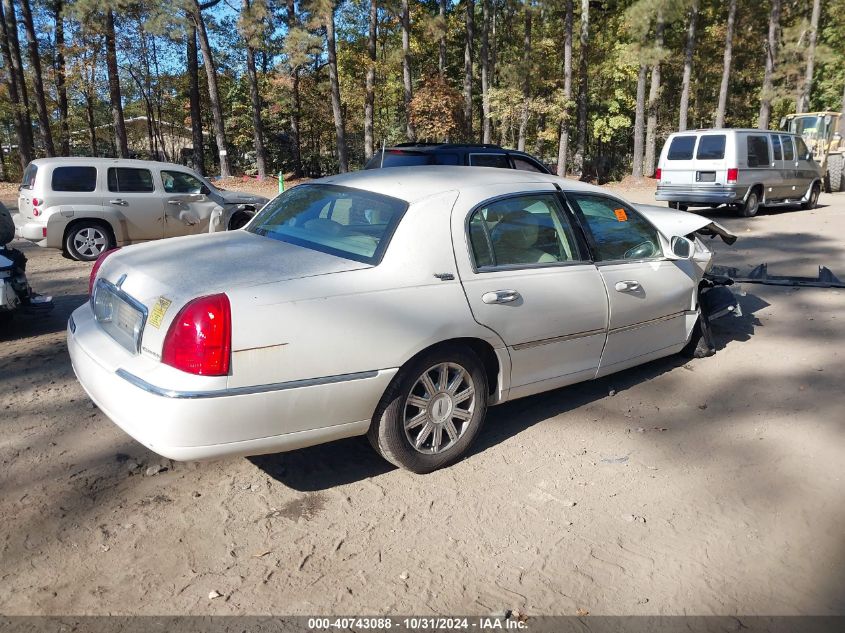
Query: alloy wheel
[[90, 242], [439, 408]]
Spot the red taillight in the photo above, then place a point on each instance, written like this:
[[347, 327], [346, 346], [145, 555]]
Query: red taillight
[[658, 173], [96, 268], [35, 212], [36, 202], [199, 340], [733, 173]]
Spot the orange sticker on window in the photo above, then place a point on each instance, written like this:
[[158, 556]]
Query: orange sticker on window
[[621, 215]]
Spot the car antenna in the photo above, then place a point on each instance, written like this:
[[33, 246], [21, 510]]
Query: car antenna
[[382, 153]]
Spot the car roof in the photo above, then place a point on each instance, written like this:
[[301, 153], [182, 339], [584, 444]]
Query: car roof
[[412, 184], [733, 129], [95, 161]]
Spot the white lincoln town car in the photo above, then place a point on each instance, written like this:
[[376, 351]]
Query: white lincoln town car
[[398, 303]]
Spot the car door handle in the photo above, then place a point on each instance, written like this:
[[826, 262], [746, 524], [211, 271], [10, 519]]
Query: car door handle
[[501, 296], [175, 202], [627, 286], [119, 202]]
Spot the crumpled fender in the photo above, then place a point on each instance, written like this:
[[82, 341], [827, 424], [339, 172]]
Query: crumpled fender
[[671, 222]]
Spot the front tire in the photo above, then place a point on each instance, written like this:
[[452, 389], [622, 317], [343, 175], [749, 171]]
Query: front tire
[[432, 411], [86, 241], [813, 199], [749, 208]]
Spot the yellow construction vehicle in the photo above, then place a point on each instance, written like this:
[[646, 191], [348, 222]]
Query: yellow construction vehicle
[[823, 132]]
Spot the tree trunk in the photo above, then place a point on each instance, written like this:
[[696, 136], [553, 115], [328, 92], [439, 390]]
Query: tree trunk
[[639, 123], [11, 48], [526, 79], [12, 83], [470, 35], [771, 56], [337, 112], [121, 144], [688, 52], [405, 19], [89, 103], [726, 66], [441, 61], [563, 144], [803, 103], [257, 123], [296, 114], [582, 88], [486, 123], [61, 77], [197, 152], [370, 95], [213, 93], [38, 80], [653, 104]]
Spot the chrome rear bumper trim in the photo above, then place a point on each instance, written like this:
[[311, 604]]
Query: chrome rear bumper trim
[[242, 391]]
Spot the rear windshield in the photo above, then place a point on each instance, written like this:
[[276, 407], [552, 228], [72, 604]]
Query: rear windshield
[[681, 148], [74, 178], [28, 180], [711, 147], [349, 223]]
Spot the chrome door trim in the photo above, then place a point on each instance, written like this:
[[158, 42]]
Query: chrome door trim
[[634, 326], [558, 339], [241, 391]]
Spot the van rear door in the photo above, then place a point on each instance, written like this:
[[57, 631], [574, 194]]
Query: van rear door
[[711, 168], [678, 165]]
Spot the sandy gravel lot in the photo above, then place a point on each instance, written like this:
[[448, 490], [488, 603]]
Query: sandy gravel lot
[[711, 487]]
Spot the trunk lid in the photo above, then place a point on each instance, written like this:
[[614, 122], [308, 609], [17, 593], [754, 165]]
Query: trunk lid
[[184, 268]]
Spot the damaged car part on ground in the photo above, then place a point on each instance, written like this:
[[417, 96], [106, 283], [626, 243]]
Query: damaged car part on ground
[[394, 303]]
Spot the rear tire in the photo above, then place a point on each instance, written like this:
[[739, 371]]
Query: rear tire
[[813, 200], [836, 173], [679, 206], [749, 208], [427, 420], [87, 240]]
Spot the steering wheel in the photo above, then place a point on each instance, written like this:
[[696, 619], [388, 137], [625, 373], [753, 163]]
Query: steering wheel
[[640, 251]]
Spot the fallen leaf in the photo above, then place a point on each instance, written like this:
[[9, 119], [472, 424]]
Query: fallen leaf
[[581, 612], [261, 554]]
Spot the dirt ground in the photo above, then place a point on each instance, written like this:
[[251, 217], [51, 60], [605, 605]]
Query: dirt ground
[[708, 487]]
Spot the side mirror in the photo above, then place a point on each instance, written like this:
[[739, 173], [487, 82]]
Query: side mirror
[[681, 248], [205, 190]]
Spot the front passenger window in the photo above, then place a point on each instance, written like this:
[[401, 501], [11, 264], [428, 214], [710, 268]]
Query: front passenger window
[[523, 230], [618, 231], [180, 182]]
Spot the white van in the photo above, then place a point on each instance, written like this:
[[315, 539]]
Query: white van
[[741, 168]]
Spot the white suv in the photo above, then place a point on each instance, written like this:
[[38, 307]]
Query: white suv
[[87, 206]]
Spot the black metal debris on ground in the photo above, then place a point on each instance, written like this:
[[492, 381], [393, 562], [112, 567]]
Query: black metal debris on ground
[[760, 275]]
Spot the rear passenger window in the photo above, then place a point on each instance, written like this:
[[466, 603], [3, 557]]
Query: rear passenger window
[[788, 153], [758, 151], [74, 179], [711, 147], [681, 148], [489, 160], [525, 165], [776, 153], [523, 230], [130, 180]]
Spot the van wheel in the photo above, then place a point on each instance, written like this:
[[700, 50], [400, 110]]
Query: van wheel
[[813, 200], [432, 411], [679, 206], [87, 240], [751, 205]]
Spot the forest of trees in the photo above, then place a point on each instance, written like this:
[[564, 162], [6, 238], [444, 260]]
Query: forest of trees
[[316, 86]]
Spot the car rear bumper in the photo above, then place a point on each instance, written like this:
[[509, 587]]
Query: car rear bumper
[[196, 425], [34, 232], [701, 195]]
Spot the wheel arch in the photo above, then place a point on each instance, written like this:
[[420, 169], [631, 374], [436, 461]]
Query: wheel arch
[[88, 220]]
